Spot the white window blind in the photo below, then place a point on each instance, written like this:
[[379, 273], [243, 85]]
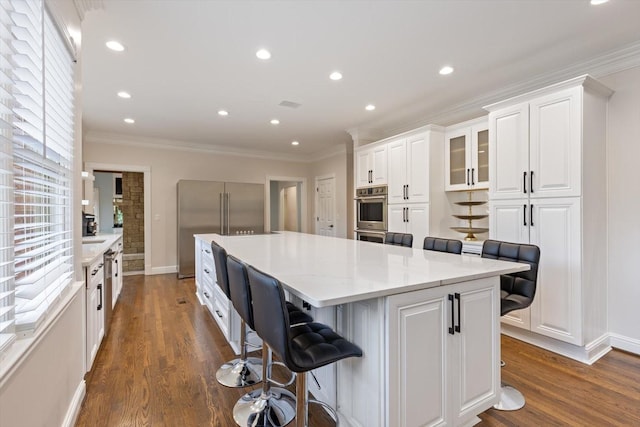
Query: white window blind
[[7, 309], [42, 163]]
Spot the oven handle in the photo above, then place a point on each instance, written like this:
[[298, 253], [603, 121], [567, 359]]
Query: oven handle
[[371, 198]]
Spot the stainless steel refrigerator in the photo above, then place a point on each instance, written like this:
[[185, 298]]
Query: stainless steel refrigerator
[[215, 207]]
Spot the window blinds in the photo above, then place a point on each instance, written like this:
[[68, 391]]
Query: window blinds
[[7, 309], [42, 163]]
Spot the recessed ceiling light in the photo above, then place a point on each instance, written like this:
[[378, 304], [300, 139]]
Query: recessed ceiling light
[[370, 107], [275, 122], [295, 143], [597, 2], [446, 70], [130, 121], [223, 113], [114, 45], [336, 75], [263, 54], [123, 94]]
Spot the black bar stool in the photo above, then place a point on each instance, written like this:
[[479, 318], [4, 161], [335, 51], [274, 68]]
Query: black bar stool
[[398, 239], [244, 371], [516, 292], [302, 348], [270, 406], [451, 246]]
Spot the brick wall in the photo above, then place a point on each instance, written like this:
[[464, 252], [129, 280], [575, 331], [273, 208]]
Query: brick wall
[[133, 219]]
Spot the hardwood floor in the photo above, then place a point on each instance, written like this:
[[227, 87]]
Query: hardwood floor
[[157, 368]]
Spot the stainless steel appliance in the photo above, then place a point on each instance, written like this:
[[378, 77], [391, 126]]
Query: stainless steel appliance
[[89, 224], [370, 236], [215, 207], [371, 208], [107, 299]]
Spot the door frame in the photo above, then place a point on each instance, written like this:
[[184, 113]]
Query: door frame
[[146, 171], [316, 204], [303, 199]]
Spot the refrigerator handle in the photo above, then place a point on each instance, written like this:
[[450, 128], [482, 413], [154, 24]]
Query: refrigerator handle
[[221, 214], [228, 203]]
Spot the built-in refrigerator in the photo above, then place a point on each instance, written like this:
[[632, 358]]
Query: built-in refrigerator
[[215, 207]]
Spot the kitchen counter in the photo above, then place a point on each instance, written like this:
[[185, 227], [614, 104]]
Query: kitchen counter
[[326, 271], [94, 247]]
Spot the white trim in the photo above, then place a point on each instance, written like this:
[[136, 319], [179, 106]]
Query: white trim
[[303, 200], [621, 342], [331, 152], [133, 273], [146, 170], [167, 269], [315, 202], [76, 404]]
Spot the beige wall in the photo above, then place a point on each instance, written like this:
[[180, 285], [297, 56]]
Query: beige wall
[[623, 208], [169, 165]]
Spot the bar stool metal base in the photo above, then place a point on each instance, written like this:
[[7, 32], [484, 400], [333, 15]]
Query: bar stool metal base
[[510, 399], [276, 408], [240, 373]]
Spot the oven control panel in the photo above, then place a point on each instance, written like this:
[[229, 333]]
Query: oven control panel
[[372, 191]]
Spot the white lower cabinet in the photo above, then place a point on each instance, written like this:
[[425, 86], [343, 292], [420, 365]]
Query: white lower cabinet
[[443, 350], [410, 218], [94, 310]]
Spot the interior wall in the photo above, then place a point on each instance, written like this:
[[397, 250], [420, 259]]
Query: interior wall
[[167, 167], [335, 165], [104, 182], [623, 207], [291, 211]]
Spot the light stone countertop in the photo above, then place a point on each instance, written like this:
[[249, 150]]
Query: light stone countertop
[[93, 247], [326, 271]]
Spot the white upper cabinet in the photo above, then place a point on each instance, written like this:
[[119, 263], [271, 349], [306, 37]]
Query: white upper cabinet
[[408, 170], [467, 156], [371, 166]]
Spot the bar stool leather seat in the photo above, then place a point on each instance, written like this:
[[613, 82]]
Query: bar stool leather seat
[[398, 239], [438, 244]]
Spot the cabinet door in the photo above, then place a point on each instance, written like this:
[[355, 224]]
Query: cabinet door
[[556, 310], [477, 344], [457, 160], [379, 165], [417, 359], [397, 218], [417, 169], [418, 222], [363, 168], [555, 155], [397, 171], [92, 325], [509, 152], [480, 156]]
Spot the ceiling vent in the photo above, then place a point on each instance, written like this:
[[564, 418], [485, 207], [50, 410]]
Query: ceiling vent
[[289, 104]]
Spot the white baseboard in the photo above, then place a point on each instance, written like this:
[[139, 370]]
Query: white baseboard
[[76, 403], [621, 342], [164, 270], [588, 354]]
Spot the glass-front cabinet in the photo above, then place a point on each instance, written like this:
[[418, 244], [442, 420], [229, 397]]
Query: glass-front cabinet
[[467, 155]]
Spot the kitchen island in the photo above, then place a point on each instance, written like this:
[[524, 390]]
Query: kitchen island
[[427, 322]]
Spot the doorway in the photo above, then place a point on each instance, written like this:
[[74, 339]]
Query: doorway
[[325, 204], [286, 204]]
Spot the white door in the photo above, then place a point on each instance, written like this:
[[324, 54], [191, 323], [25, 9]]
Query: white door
[[325, 206], [417, 165], [379, 165], [555, 155], [364, 160], [417, 360], [480, 156], [418, 222], [397, 171], [509, 153], [556, 310], [397, 218]]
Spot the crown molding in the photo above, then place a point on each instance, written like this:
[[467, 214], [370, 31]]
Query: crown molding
[[611, 62], [95, 137], [84, 6]]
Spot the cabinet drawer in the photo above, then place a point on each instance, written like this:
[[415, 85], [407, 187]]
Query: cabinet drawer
[[221, 298], [208, 296], [220, 313]]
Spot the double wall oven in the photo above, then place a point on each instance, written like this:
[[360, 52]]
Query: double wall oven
[[371, 210]]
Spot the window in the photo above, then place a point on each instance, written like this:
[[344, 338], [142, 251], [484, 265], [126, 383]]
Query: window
[[37, 171]]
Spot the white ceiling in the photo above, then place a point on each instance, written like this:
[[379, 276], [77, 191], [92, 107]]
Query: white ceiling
[[185, 60]]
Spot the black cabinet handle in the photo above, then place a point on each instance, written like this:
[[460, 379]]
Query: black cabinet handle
[[468, 177], [524, 214], [407, 191], [206, 271], [531, 214], [524, 182], [219, 314], [207, 251], [472, 180], [100, 303], [457, 327], [206, 295], [451, 328], [531, 182]]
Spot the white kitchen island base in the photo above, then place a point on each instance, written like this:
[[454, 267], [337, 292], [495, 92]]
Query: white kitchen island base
[[427, 322]]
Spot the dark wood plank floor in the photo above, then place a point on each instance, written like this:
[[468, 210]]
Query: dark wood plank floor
[[157, 368]]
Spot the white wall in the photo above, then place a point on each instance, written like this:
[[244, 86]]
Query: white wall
[[167, 167], [104, 181], [624, 208]]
